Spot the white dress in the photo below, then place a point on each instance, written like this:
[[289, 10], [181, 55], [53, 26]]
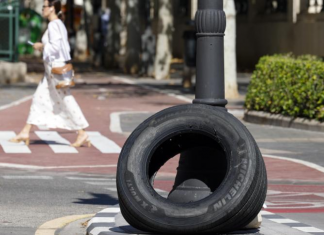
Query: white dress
[[51, 107]]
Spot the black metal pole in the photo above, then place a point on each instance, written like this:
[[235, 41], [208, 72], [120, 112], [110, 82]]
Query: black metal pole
[[210, 25]]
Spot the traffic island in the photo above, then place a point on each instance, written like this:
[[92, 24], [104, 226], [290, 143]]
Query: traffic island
[[111, 222]]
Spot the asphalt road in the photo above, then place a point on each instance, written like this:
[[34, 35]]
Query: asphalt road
[[29, 199]]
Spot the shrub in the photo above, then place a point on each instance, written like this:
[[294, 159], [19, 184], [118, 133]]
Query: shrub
[[283, 84]]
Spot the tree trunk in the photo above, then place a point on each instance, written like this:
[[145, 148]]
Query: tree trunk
[[113, 37], [132, 60], [164, 42], [148, 40], [231, 90], [123, 33], [87, 16]]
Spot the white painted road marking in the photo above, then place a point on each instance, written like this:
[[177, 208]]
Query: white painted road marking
[[96, 223], [284, 221], [290, 223], [28, 177], [9, 147], [19, 166], [102, 143], [15, 103], [101, 183], [112, 189], [95, 230], [111, 210], [89, 179], [56, 142], [309, 229], [302, 162]]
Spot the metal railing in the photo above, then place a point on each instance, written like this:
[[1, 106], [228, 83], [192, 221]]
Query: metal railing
[[9, 30]]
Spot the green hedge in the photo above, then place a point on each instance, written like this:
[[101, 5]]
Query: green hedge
[[288, 85]]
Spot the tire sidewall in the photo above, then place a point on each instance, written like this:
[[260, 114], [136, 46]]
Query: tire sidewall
[[134, 186]]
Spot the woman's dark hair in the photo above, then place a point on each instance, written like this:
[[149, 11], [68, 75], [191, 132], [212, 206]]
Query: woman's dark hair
[[57, 6]]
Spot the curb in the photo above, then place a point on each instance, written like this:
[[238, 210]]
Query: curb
[[104, 222], [50, 227], [265, 118], [107, 222]]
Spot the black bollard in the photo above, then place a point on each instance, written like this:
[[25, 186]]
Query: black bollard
[[210, 26], [196, 176]]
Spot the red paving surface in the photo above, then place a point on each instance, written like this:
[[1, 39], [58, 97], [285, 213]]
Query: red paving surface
[[286, 170], [122, 97], [281, 198]]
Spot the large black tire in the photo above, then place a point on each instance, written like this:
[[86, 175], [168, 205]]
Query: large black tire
[[235, 202]]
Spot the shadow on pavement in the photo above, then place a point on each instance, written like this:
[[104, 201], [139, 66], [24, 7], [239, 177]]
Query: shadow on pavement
[[98, 199], [41, 142], [131, 230]]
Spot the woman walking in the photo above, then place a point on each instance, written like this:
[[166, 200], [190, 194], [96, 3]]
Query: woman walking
[[51, 107]]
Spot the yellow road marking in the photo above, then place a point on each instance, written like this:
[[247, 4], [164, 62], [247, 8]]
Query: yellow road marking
[[50, 227]]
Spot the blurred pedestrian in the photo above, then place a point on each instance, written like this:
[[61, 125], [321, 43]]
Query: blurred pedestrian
[[52, 107]]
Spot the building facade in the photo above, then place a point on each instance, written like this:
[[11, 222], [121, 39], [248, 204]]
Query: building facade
[[263, 27], [266, 27]]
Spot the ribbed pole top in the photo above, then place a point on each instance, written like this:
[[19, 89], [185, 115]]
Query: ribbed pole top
[[210, 4]]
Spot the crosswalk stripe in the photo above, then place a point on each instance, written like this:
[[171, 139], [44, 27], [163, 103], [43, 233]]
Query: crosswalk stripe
[[101, 183], [56, 142], [89, 179], [102, 143], [309, 229], [9, 147]]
